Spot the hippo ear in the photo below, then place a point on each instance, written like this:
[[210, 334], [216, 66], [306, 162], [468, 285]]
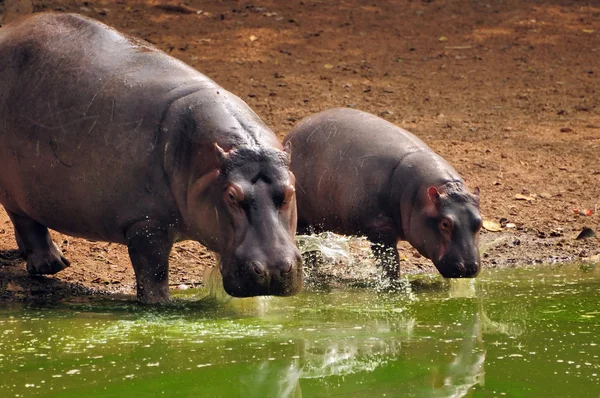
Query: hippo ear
[[434, 195], [431, 206], [476, 192], [222, 155], [288, 151]]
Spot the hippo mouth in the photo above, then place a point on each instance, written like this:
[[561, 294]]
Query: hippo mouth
[[246, 282], [454, 269]]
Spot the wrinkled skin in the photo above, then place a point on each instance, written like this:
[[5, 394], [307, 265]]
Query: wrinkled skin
[[357, 174], [105, 137]]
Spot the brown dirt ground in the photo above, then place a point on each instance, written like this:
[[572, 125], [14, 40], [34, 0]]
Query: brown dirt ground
[[506, 90]]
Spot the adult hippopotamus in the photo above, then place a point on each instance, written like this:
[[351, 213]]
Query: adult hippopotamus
[[358, 174], [105, 137]]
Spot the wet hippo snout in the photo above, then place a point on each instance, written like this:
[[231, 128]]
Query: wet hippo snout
[[459, 269], [472, 270], [467, 270], [280, 277]]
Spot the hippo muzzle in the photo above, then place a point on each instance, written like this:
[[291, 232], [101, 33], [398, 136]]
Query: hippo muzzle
[[277, 274], [459, 263], [458, 269]]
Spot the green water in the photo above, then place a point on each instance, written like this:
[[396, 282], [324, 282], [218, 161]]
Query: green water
[[531, 332]]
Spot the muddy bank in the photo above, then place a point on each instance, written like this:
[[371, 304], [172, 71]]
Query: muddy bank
[[506, 91]]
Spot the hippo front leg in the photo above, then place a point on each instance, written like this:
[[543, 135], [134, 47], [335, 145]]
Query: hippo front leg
[[388, 259], [383, 238], [149, 250]]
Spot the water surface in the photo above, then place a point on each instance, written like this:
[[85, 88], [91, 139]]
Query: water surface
[[515, 332]]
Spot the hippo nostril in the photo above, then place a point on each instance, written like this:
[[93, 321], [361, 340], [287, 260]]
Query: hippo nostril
[[473, 270], [287, 268], [258, 268]]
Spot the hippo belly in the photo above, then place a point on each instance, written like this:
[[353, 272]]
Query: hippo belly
[[83, 185]]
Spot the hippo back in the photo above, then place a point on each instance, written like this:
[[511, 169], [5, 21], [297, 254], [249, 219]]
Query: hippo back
[[81, 110], [344, 161]]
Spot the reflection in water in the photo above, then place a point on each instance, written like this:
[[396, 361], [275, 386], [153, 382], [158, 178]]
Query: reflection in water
[[466, 370], [340, 356], [270, 380], [322, 359], [330, 356], [520, 331]]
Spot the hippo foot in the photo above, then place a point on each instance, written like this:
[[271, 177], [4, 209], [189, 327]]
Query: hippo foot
[[46, 262], [36, 246], [153, 296], [387, 259]]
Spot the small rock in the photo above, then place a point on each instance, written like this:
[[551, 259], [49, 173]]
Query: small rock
[[524, 197], [566, 130], [586, 233], [492, 226]]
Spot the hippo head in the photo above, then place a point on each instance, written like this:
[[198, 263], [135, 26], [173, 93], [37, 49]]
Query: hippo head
[[446, 229], [253, 210]]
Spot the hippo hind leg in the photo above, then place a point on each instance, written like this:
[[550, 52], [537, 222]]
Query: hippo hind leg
[[42, 255]]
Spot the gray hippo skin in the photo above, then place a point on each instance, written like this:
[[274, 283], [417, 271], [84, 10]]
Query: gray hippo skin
[[105, 137], [357, 174]]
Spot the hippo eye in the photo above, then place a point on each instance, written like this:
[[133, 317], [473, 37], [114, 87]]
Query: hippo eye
[[231, 196], [445, 224], [234, 195]]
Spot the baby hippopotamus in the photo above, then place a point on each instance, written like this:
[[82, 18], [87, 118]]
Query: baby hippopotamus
[[357, 174]]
